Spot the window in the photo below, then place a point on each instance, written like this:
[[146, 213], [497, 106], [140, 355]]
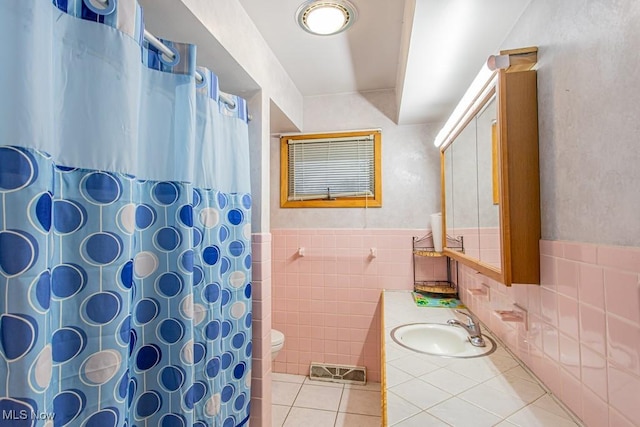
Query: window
[[337, 170]]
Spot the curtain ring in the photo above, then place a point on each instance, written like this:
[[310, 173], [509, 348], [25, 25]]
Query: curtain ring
[[108, 6], [171, 62]]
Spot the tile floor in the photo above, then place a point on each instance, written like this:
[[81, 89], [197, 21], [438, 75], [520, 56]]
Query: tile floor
[[301, 402], [510, 399]]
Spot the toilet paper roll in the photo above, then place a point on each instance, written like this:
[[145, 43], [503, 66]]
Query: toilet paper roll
[[436, 230]]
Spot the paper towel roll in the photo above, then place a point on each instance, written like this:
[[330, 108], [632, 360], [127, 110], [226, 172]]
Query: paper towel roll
[[436, 230]]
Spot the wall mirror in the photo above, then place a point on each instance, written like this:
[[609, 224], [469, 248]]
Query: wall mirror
[[490, 176], [472, 211]]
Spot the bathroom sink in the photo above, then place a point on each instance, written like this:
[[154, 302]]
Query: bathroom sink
[[440, 340]]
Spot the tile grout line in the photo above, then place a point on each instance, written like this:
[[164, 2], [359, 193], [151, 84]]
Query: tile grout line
[[294, 401], [286, 416], [335, 413], [335, 419]]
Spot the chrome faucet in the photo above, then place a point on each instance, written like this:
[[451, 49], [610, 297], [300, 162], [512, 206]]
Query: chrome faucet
[[472, 327]]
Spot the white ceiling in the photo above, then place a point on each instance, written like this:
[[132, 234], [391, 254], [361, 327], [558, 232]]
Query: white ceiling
[[444, 45], [361, 59], [427, 51]]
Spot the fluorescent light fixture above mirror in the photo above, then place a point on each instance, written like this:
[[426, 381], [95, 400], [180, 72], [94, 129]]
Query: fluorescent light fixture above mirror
[[511, 60], [465, 106], [325, 17]]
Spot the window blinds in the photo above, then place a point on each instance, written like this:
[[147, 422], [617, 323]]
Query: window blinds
[[331, 168]]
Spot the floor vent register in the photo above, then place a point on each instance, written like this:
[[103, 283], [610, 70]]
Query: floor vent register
[[338, 373]]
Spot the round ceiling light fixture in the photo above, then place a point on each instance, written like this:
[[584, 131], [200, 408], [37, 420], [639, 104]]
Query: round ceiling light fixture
[[326, 17]]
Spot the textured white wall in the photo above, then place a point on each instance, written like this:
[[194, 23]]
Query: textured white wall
[[229, 24], [259, 160], [410, 165], [589, 116]]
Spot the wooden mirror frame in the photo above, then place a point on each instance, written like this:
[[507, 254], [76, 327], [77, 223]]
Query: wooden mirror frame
[[518, 177]]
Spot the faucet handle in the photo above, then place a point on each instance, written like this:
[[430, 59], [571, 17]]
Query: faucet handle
[[471, 318]]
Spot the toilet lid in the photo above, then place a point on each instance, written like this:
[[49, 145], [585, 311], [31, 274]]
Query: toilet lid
[[277, 337]]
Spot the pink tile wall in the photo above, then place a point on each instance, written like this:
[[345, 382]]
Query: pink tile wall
[[261, 369], [327, 302], [583, 337]]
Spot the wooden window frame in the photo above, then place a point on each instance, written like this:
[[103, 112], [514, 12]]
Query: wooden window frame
[[343, 202]]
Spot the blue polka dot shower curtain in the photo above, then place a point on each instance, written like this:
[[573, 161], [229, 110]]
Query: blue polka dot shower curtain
[[125, 264]]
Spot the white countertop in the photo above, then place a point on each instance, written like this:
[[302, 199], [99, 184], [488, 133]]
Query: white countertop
[[424, 390]]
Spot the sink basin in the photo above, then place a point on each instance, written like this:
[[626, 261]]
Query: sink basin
[[440, 340]]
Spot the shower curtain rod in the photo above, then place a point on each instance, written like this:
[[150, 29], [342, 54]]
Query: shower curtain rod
[[155, 42]]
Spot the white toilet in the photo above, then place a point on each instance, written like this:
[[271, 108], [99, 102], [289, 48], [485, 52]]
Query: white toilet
[[277, 342]]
